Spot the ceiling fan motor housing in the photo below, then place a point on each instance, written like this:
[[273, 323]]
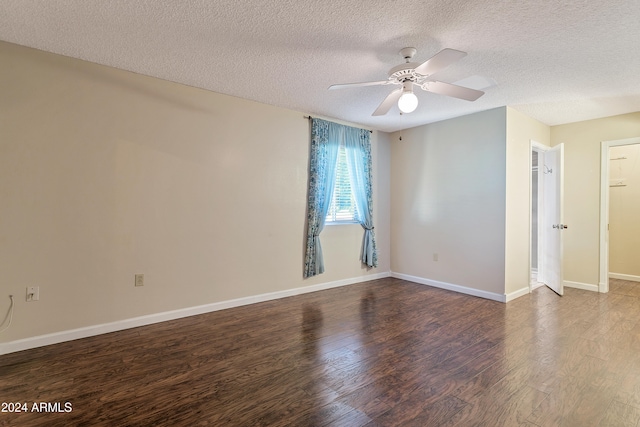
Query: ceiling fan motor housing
[[404, 72]]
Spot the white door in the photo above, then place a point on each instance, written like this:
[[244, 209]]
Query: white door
[[553, 225]]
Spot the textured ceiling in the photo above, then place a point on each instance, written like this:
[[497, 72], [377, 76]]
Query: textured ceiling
[[555, 61]]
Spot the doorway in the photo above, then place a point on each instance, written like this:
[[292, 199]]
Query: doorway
[[613, 179]]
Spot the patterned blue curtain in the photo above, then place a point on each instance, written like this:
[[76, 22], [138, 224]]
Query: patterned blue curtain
[[325, 142], [358, 150]]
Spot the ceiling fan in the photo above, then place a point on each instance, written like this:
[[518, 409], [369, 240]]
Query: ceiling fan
[[412, 74]]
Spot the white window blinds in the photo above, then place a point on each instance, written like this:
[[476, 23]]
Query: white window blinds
[[342, 207]]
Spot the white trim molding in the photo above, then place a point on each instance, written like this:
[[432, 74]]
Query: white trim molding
[[89, 331], [519, 293], [583, 286], [621, 276], [451, 287]]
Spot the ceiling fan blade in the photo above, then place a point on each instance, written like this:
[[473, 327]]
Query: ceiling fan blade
[[439, 61], [345, 85], [452, 90], [388, 102]]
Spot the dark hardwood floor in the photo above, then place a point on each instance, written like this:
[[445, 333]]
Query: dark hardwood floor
[[381, 353]]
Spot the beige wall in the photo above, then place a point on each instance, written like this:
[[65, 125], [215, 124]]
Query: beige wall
[[105, 173], [624, 211], [448, 197], [520, 131], [582, 189]]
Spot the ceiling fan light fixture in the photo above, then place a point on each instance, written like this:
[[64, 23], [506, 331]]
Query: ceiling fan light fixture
[[412, 73], [408, 101]]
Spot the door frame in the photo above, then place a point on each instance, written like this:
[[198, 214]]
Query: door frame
[[603, 285]]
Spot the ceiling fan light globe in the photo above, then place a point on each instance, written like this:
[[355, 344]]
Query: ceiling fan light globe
[[408, 102]]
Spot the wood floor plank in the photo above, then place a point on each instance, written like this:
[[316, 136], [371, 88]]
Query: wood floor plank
[[508, 406], [618, 414], [381, 353], [556, 407], [628, 390], [593, 403]]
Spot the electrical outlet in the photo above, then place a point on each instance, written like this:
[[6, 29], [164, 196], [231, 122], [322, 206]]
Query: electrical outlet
[[33, 293], [435, 257], [139, 280]]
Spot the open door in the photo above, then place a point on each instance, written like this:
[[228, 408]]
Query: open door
[[553, 224]]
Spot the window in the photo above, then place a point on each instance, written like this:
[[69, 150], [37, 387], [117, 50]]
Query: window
[[343, 206]]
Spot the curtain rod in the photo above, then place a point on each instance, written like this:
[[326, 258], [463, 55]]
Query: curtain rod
[[309, 118]]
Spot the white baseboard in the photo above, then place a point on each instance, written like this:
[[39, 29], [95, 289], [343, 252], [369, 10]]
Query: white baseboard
[[89, 331], [583, 286], [516, 294], [624, 277], [452, 287], [603, 287]]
